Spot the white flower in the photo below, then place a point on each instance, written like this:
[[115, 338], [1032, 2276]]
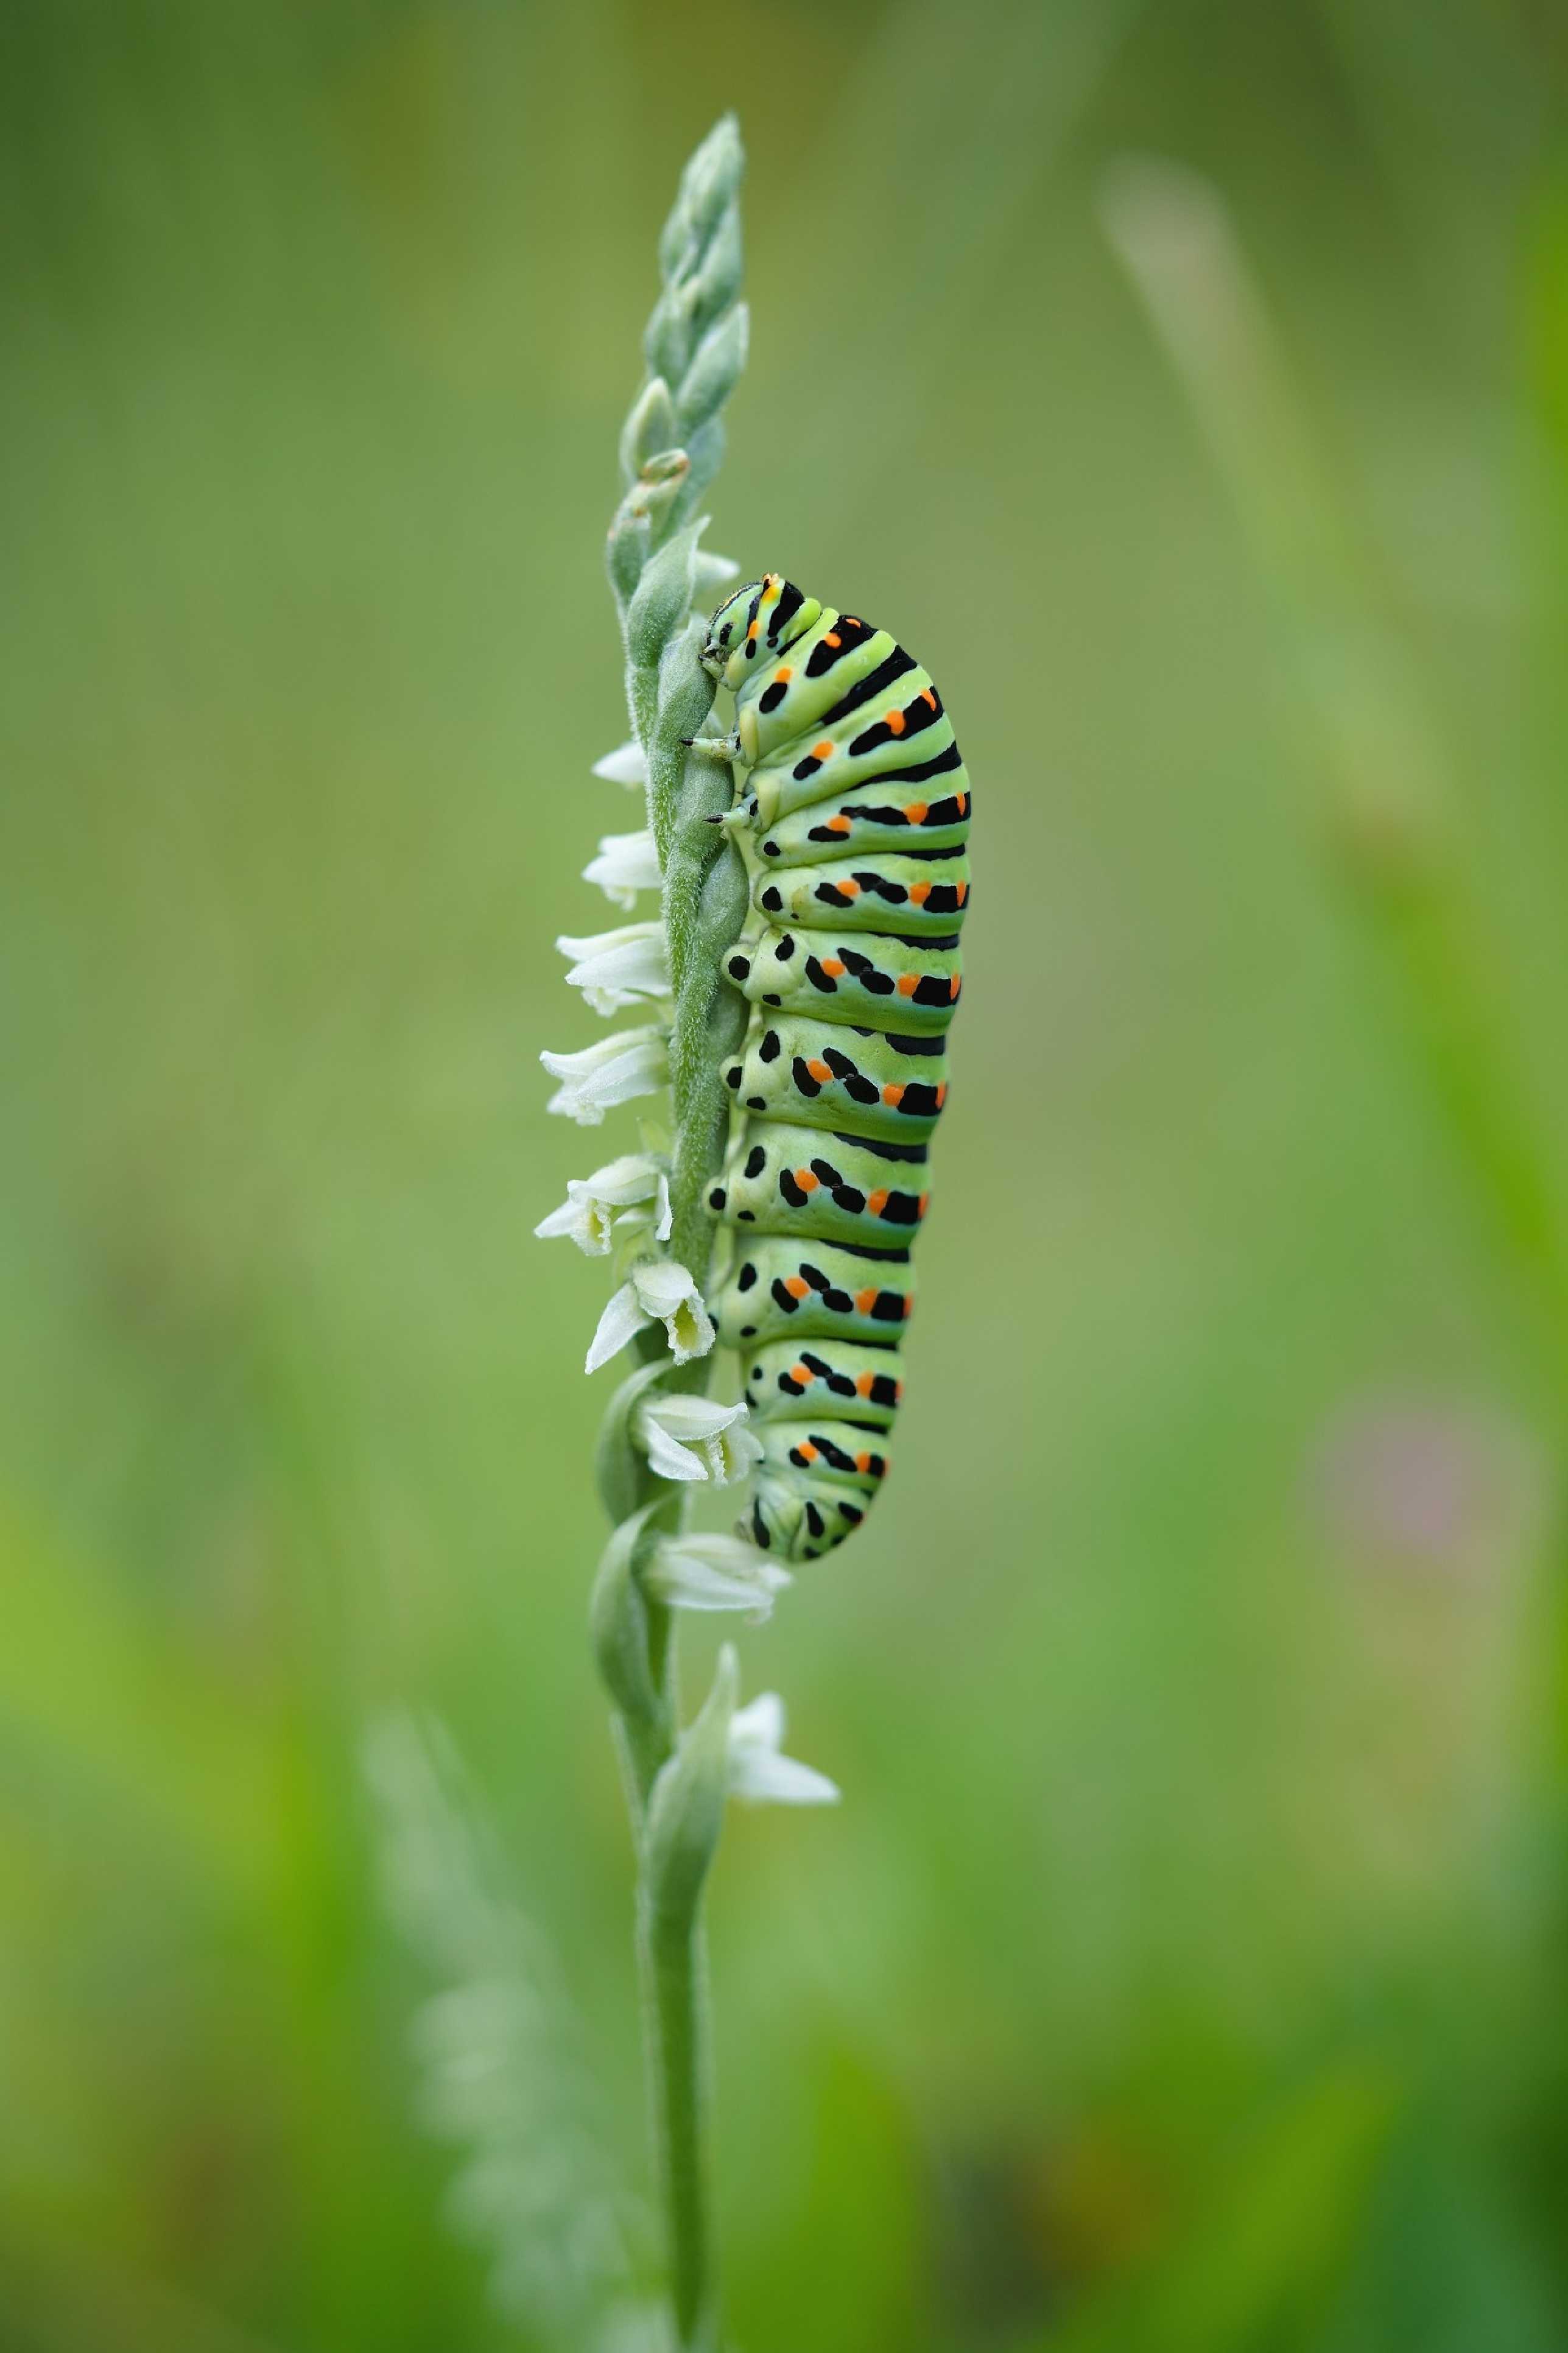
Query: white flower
[[693, 1438], [661, 1290], [627, 863], [596, 1204], [629, 1063], [714, 1573], [758, 1768], [625, 765], [617, 968], [669, 1291]]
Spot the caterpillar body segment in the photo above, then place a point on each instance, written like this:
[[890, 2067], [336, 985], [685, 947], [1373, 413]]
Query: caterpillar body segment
[[814, 1483], [801, 1381], [813, 1290], [896, 736], [912, 813], [837, 977], [917, 898], [803, 1511], [841, 1077], [852, 814], [796, 1180], [822, 769]]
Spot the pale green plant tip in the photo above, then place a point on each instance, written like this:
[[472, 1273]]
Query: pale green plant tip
[[651, 430], [715, 369], [695, 344]]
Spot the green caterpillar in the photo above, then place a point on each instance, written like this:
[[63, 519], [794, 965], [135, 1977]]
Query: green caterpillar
[[852, 815]]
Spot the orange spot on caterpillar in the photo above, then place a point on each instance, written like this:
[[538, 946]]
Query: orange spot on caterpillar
[[877, 1201], [864, 1384], [782, 676], [962, 800], [806, 1450], [806, 1181], [823, 751], [907, 983], [863, 1464], [953, 986], [962, 893], [831, 638], [940, 1093], [928, 696], [893, 1095], [836, 824], [833, 967], [751, 633], [921, 1206], [896, 723], [796, 1285], [898, 1392], [916, 811], [865, 1301], [802, 1375], [851, 623], [820, 1073], [850, 889], [919, 893]]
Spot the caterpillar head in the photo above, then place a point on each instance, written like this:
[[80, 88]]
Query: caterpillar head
[[754, 622]]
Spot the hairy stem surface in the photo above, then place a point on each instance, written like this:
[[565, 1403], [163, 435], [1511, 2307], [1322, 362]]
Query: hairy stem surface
[[673, 1971]]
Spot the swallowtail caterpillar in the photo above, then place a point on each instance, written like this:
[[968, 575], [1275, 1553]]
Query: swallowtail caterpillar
[[852, 814]]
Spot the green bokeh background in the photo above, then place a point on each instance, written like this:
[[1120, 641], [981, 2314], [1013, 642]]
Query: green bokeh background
[[1183, 1970]]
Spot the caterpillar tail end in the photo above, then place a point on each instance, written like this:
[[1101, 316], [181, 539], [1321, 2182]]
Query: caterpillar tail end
[[799, 1522]]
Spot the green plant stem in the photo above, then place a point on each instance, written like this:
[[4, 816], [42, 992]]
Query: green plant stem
[[704, 906], [645, 1747], [672, 1978], [694, 349], [672, 1965]]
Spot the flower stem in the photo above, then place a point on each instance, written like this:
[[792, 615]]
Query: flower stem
[[672, 1965], [694, 349]]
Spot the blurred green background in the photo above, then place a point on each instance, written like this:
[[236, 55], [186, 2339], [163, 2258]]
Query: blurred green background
[[1184, 1968]]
